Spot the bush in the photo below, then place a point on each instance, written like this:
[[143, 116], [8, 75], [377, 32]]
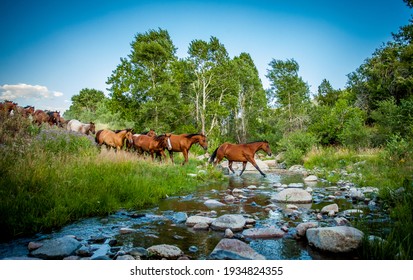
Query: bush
[[295, 146]]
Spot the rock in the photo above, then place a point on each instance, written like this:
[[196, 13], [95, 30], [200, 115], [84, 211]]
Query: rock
[[125, 258], [330, 207], [193, 220], [229, 233], [303, 227], [126, 230], [34, 245], [293, 196], [311, 178], [341, 221], [296, 185], [165, 251], [261, 233], [213, 203], [201, 226], [179, 217], [340, 239], [356, 194], [57, 248], [297, 168], [233, 222], [352, 212], [229, 198], [234, 249], [101, 252]]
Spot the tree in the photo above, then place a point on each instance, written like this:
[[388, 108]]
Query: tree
[[142, 86], [251, 100], [326, 94], [85, 104], [288, 92], [209, 62]]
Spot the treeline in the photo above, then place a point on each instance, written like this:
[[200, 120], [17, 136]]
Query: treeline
[[223, 97]]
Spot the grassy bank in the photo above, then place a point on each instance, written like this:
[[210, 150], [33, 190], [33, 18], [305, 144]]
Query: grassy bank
[[53, 178], [390, 169]]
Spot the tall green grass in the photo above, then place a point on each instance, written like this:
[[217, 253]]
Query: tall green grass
[[54, 177]]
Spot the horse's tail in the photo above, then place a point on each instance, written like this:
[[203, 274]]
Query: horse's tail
[[213, 156]]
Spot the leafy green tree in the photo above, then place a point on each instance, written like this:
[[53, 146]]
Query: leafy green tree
[[288, 92], [210, 66], [251, 101], [326, 94], [142, 87], [85, 104]]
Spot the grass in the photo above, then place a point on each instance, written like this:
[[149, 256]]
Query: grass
[[54, 178], [387, 169]]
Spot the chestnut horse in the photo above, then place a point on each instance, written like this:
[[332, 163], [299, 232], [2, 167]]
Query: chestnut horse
[[150, 133], [183, 142], [153, 145], [113, 139], [8, 106], [84, 128], [240, 153]]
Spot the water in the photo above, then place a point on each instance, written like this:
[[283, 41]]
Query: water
[[161, 225]]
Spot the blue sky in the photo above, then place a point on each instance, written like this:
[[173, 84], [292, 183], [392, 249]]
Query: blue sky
[[50, 50]]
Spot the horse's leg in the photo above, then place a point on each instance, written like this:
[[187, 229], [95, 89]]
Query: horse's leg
[[230, 166], [185, 153], [252, 160], [244, 164], [171, 156]]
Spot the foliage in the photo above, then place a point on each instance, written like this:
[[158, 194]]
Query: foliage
[[295, 146], [85, 104]]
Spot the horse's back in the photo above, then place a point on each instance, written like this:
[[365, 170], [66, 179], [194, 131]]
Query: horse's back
[[74, 125]]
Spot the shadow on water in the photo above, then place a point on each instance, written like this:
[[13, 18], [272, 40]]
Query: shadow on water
[[165, 225]]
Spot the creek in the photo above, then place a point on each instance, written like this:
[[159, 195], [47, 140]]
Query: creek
[[165, 224]]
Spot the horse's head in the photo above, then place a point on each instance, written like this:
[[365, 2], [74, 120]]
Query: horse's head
[[168, 141], [129, 135], [92, 128], [203, 141], [266, 148]]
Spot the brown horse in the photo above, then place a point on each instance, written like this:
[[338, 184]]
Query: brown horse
[[150, 133], [153, 145], [240, 153], [112, 139], [183, 142], [8, 106], [40, 116], [54, 118]]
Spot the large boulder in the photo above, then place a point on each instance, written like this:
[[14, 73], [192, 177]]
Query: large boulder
[[340, 239], [193, 220], [233, 222], [234, 249], [293, 195], [57, 249]]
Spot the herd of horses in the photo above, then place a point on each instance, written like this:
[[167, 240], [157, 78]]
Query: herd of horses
[[147, 142]]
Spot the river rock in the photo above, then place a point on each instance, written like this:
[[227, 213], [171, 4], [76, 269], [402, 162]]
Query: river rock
[[340, 239], [165, 251], [262, 233], [311, 178], [233, 222], [57, 248], [193, 220], [201, 226], [125, 258], [213, 203], [329, 208], [234, 249], [293, 196], [179, 217], [303, 227]]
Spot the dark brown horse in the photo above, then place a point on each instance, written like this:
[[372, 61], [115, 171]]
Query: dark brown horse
[[150, 133], [153, 145], [112, 139], [183, 142], [240, 153], [54, 118]]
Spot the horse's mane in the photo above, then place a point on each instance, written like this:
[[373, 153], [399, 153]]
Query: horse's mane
[[265, 141], [193, 134]]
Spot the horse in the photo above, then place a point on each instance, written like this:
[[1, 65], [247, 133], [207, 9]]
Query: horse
[[112, 139], [54, 118], [183, 142], [153, 145], [8, 106], [84, 128], [40, 116], [150, 133], [240, 153]]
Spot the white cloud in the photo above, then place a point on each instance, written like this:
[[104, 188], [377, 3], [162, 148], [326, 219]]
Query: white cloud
[[24, 91]]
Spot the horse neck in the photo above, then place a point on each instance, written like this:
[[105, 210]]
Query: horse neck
[[257, 146]]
